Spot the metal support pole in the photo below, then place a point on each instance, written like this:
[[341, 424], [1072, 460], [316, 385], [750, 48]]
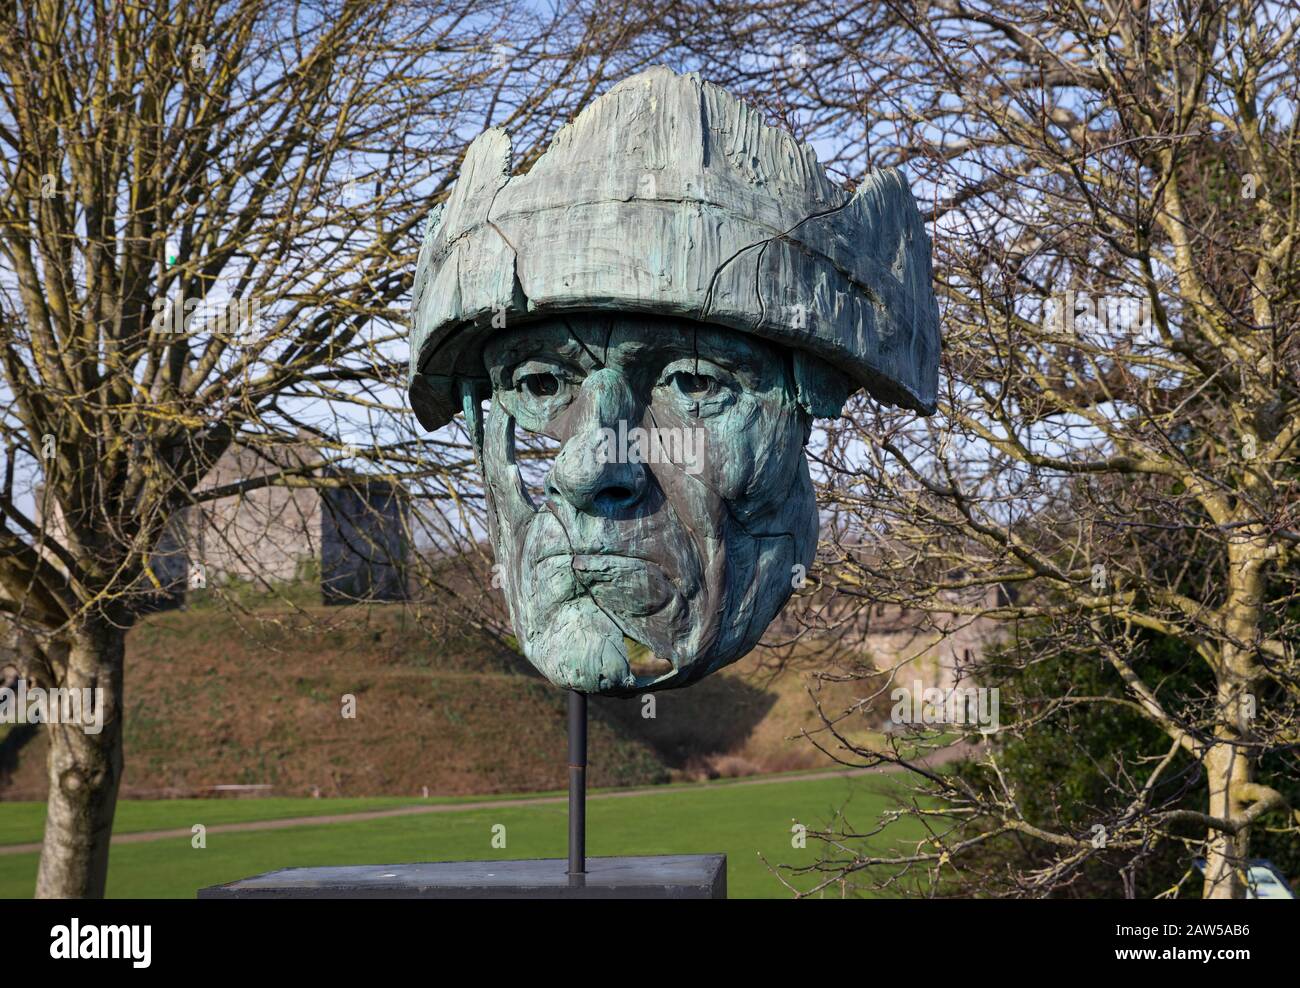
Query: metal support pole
[[577, 783]]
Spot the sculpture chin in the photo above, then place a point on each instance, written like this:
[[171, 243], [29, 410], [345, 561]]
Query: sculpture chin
[[583, 648], [586, 606]]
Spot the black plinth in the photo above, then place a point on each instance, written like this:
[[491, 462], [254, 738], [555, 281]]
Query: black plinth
[[669, 876]]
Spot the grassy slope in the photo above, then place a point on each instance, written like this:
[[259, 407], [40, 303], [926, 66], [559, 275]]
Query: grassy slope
[[216, 698], [740, 820]]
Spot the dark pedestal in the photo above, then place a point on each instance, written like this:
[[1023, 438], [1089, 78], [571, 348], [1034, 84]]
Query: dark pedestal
[[669, 876]]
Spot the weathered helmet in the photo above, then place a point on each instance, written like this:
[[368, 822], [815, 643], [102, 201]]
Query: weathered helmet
[[669, 196]]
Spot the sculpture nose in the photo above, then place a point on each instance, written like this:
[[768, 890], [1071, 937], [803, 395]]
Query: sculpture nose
[[592, 471]]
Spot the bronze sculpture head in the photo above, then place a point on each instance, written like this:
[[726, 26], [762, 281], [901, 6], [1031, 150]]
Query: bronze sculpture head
[[671, 294]]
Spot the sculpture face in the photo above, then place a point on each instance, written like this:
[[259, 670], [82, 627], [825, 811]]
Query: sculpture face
[[677, 507]]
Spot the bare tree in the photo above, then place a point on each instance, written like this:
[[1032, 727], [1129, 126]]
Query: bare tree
[[1113, 195], [209, 219]]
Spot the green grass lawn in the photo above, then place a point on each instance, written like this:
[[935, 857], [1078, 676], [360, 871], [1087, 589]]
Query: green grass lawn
[[738, 820]]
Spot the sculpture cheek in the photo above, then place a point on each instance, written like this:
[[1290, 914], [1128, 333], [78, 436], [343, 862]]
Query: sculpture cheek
[[756, 453], [728, 448]]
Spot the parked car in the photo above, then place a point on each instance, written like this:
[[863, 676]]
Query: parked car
[[1263, 879]]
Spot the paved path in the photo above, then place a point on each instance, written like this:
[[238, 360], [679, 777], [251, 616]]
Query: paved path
[[144, 836]]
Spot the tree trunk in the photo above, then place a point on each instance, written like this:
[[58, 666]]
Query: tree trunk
[[1230, 763], [84, 771], [1227, 767]]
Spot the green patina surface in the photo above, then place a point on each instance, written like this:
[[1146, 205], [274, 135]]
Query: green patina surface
[[664, 302]]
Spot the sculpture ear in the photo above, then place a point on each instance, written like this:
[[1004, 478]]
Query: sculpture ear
[[820, 389]]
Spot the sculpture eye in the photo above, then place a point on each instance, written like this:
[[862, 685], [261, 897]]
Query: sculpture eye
[[538, 390], [695, 385], [541, 381], [540, 385]]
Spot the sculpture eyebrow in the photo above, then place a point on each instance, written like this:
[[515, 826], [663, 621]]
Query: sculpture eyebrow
[[528, 346]]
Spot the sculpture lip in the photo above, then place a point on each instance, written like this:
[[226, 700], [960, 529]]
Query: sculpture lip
[[553, 553]]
